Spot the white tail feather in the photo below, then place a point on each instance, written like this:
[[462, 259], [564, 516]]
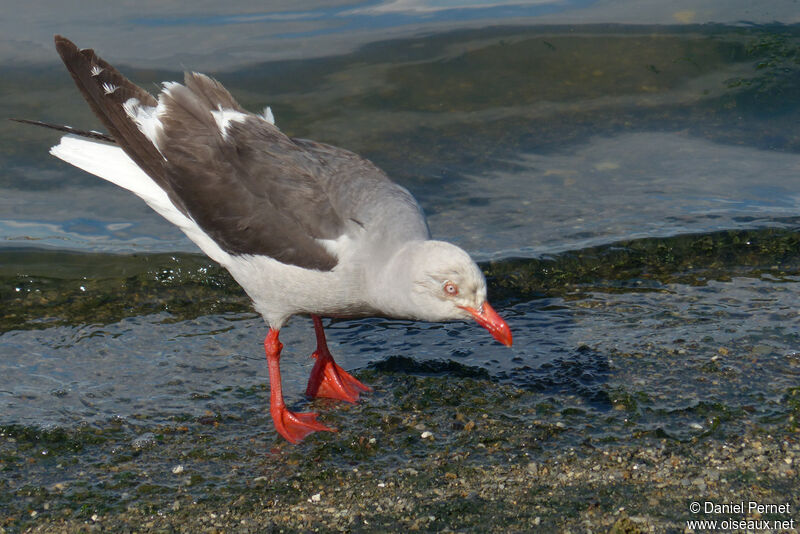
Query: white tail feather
[[112, 164]]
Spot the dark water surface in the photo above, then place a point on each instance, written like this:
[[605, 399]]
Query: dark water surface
[[632, 192]]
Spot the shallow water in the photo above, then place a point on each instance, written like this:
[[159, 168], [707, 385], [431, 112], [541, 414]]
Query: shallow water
[[631, 191]]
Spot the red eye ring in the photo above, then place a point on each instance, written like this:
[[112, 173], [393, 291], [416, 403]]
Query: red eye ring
[[450, 288]]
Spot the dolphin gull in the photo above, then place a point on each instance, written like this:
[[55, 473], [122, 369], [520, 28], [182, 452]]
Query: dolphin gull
[[304, 227]]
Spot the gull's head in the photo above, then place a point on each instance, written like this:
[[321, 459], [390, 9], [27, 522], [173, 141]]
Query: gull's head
[[447, 285]]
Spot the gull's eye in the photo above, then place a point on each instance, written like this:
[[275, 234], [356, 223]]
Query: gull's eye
[[450, 289]]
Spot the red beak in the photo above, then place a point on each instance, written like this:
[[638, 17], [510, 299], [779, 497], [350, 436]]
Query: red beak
[[492, 322]]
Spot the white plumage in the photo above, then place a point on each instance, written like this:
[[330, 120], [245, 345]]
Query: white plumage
[[111, 163]]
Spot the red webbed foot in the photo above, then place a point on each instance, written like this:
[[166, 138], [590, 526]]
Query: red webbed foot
[[327, 379], [294, 426], [330, 381]]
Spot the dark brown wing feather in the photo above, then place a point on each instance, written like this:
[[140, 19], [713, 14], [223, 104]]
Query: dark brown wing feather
[[91, 134], [107, 105], [253, 190], [210, 92]]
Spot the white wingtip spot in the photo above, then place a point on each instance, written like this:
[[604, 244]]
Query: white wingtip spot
[[131, 107], [224, 117], [96, 70], [268, 116], [146, 118], [109, 88]]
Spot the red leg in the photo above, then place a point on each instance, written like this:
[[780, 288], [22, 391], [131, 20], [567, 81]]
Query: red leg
[[328, 379], [292, 426]]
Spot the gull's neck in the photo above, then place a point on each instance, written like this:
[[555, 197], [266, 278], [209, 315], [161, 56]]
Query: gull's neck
[[390, 288]]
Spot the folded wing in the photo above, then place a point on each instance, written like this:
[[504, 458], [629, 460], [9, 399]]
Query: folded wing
[[243, 182]]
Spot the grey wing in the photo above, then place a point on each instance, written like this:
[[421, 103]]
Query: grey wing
[[361, 192], [244, 182], [250, 189]]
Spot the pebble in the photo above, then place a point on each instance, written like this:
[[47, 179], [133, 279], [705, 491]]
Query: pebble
[[145, 441], [654, 472]]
